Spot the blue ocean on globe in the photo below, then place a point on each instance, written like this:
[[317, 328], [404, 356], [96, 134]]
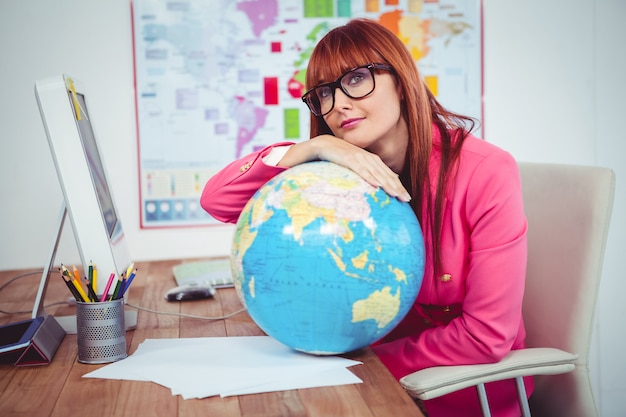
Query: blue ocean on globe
[[324, 262]]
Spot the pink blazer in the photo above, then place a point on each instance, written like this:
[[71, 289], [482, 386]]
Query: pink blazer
[[472, 312]]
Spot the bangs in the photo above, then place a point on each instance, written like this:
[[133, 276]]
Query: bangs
[[339, 51]]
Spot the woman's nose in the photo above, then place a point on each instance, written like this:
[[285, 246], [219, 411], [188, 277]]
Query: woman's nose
[[341, 99]]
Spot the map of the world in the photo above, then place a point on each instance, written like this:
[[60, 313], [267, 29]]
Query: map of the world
[[218, 79]]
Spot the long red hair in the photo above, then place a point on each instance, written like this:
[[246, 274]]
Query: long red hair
[[363, 41]]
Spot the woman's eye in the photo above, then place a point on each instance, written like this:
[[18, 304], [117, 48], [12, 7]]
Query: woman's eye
[[323, 92], [355, 78]]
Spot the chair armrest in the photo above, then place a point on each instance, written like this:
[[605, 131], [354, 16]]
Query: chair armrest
[[440, 380]]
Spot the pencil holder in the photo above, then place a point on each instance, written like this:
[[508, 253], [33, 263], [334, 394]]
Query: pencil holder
[[101, 331]]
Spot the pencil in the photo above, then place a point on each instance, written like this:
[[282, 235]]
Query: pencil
[[71, 287], [130, 268], [94, 283], [77, 278], [80, 290], [90, 291], [66, 272], [119, 292], [127, 283], [90, 273], [107, 287], [116, 291]]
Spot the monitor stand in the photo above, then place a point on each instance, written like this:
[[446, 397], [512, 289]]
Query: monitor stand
[[68, 323]]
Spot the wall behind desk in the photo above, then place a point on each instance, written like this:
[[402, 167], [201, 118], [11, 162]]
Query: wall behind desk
[[554, 89], [91, 41]]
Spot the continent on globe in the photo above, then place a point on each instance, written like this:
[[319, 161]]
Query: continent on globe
[[324, 262]]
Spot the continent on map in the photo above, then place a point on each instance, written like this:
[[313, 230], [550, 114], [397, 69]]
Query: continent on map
[[250, 118], [416, 32], [296, 83], [261, 13], [381, 306]]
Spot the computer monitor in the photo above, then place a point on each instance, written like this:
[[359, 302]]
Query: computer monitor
[[87, 196]]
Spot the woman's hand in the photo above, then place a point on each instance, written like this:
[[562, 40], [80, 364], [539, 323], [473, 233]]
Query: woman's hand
[[367, 165]]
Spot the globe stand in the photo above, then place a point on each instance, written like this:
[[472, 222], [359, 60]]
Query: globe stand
[[68, 323]]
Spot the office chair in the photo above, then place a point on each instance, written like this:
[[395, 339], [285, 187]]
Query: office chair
[[568, 210]]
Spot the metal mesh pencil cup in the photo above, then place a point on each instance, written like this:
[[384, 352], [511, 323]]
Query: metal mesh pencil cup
[[101, 331]]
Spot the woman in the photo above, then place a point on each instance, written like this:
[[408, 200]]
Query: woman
[[371, 112]]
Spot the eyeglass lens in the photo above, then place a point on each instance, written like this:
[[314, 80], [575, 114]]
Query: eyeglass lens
[[355, 84]]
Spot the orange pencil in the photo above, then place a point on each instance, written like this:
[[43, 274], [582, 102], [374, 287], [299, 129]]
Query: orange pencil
[[77, 276]]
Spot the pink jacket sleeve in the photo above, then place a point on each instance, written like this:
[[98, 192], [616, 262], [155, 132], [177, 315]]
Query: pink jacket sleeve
[[484, 249], [227, 192]]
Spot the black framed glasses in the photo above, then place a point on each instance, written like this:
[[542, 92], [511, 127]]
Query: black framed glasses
[[356, 83]]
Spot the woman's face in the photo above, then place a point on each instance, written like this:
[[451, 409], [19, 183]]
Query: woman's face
[[373, 122]]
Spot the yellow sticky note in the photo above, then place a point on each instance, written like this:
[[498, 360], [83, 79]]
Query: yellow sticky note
[[70, 86]]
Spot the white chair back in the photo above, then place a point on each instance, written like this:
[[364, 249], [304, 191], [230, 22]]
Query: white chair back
[[568, 210]]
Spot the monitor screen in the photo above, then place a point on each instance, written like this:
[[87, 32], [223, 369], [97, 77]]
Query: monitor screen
[[94, 163]]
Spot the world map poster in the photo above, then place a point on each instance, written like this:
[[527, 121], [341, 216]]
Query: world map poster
[[216, 80]]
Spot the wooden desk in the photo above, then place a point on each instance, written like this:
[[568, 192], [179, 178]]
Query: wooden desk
[[58, 389]]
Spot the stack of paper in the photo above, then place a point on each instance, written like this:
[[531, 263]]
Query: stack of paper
[[204, 367]]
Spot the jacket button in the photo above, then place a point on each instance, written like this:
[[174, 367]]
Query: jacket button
[[445, 277], [245, 167]]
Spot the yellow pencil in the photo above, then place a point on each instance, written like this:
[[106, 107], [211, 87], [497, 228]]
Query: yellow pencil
[[80, 290], [94, 282]]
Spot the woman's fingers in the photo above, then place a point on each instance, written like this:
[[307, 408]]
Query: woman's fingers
[[367, 165], [373, 170]]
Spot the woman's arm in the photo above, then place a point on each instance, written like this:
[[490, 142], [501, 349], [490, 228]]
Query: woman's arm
[[227, 192]]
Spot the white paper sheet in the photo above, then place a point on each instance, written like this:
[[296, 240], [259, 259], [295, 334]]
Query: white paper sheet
[[204, 367]]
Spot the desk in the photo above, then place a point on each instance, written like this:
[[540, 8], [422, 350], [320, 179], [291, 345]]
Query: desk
[[59, 390]]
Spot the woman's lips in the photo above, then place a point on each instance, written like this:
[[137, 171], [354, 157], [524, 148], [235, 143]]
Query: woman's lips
[[349, 123]]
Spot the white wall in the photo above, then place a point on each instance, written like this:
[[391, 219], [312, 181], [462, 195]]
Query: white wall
[[92, 41], [610, 138], [554, 91]]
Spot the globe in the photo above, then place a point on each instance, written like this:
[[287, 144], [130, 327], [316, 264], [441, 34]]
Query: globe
[[324, 262]]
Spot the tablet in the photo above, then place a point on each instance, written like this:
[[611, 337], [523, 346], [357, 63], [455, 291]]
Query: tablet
[[14, 336]]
